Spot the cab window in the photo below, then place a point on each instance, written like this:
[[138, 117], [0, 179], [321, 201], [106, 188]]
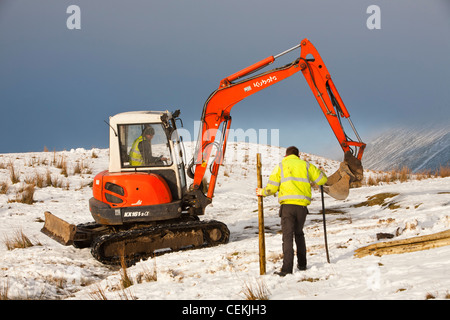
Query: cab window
[[144, 145]]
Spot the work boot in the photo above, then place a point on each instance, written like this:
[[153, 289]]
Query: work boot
[[301, 268], [281, 273]]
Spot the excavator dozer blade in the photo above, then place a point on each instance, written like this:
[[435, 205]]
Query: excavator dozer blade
[[58, 229], [350, 171]]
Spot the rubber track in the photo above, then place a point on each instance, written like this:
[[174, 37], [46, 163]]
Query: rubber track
[[99, 244]]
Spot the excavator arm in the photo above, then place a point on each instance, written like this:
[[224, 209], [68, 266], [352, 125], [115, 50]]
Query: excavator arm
[[234, 88]]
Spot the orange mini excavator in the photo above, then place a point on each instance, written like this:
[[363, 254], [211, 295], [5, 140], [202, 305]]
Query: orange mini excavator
[[142, 205]]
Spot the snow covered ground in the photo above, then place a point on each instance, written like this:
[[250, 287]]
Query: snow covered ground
[[49, 270]]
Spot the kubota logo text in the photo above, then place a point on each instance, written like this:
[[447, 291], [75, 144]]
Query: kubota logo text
[[261, 83]]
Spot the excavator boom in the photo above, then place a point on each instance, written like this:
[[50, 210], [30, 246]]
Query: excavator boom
[[240, 85]]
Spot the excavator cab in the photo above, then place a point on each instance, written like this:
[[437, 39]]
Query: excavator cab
[[146, 179]]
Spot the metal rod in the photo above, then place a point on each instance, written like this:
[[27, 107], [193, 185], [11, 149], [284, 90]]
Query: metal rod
[[287, 51], [354, 130], [324, 224]]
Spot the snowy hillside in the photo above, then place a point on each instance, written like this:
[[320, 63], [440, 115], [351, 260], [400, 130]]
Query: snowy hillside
[[49, 270], [424, 149]]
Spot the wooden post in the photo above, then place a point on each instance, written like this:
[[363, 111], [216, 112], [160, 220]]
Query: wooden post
[[262, 243]]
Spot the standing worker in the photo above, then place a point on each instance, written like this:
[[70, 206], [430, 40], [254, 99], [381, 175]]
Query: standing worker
[[292, 180]]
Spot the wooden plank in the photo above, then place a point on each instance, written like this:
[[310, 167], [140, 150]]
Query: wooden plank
[[406, 245]]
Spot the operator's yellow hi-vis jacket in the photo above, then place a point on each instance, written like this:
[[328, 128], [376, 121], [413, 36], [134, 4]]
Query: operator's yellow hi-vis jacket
[[136, 158], [292, 180]]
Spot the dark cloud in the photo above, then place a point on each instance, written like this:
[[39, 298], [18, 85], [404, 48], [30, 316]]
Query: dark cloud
[[60, 84]]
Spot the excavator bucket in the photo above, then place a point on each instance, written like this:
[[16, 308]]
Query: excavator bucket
[[58, 229], [350, 171]]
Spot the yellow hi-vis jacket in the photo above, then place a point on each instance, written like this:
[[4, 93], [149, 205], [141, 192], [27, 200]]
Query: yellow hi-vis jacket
[[292, 180], [136, 158]]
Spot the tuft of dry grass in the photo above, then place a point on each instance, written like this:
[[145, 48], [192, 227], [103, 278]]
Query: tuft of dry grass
[[54, 158], [98, 293], [125, 280], [27, 196], [4, 289], [443, 172], [258, 291], [405, 174], [62, 164], [430, 296], [147, 275], [13, 174], [81, 167], [424, 174], [18, 241], [126, 294], [4, 187], [48, 178], [123, 289], [38, 180], [24, 195], [77, 169], [370, 181], [57, 182]]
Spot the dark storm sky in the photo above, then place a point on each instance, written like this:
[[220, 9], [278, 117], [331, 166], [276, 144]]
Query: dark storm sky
[[57, 85]]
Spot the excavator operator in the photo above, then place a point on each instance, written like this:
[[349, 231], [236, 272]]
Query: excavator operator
[[141, 150], [292, 180]]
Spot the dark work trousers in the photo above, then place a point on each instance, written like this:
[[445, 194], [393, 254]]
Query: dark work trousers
[[292, 220]]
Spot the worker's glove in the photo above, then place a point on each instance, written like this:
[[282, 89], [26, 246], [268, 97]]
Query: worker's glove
[[260, 192]]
